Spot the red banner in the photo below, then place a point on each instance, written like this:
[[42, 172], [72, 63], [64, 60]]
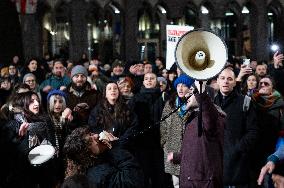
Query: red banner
[[26, 6]]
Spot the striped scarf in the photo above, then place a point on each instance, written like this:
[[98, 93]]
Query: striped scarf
[[266, 101]]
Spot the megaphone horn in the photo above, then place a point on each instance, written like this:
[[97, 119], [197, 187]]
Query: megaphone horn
[[201, 54]]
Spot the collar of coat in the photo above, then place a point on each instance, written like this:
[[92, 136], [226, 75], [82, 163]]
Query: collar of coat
[[76, 93]]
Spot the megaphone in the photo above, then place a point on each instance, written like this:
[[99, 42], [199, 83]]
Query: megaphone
[[201, 54]]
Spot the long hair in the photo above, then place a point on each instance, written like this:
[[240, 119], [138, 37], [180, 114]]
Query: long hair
[[22, 102], [108, 114], [244, 86], [50, 104], [77, 151]]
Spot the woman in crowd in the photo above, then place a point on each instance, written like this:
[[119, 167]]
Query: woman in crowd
[[112, 115], [30, 79], [148, 106], [60, 117], [250, 85], [93, 157], [126, 86], [171, 129], [32, 66], [13, 74], [28, 128]]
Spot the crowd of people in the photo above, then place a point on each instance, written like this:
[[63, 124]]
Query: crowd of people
[[137, 124]]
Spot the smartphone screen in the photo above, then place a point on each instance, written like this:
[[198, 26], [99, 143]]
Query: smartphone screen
[[246, 62]]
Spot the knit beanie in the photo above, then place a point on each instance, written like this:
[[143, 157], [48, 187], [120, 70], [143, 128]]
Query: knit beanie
[[28, 75], [56, 92], [184, 79], [79, 69]]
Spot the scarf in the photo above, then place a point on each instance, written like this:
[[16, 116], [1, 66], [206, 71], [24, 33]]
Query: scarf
[[182, 110], [266, 101]]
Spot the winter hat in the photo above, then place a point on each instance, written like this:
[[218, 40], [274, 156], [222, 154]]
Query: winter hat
[[56, 92], [28, 75], [79, 69], [184, 79]]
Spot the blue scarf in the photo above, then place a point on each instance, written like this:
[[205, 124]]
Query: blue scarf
[[182, 110]]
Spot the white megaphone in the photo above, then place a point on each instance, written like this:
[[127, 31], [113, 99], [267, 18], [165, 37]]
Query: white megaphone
[[201, 54]]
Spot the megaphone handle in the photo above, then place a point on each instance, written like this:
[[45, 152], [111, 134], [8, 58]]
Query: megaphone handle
[[200, 113]]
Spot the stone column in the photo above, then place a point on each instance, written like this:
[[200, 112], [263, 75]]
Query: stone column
[[130, 29], [31, 35], [163, 35], [259, 32], [78, 30]]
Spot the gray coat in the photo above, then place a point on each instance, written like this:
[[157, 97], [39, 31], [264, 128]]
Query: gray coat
[[171, 131]]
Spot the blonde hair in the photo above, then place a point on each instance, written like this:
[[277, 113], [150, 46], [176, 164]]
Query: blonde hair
[[51, 102]]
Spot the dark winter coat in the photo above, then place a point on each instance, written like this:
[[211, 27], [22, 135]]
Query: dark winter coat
[[148, 105], [22, 173], [240, 136], [80, 117], [118, 169], [201, 158], [123, 128], [271, 126]]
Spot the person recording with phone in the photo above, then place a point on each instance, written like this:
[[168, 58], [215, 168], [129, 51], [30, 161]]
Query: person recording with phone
[[276, 70]]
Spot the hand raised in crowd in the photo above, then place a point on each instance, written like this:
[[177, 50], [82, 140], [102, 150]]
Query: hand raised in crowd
[[268, 168], [245, 70], [277, 59], [23, 129], [133, 69], [81, 106], [197, 84], [47, 89], [67, 114], [62, 88], [278, 181]]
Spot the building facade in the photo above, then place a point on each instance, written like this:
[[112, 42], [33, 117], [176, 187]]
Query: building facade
[[136, 29]]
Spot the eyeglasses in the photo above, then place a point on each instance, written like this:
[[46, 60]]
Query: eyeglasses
[[29, 81], [265, 83]]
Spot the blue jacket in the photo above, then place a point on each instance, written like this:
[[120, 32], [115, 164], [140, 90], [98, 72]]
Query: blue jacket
[[55, 82]]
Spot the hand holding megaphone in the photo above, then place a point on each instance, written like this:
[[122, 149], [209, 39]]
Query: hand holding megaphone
[[191, 102], [197, 84]]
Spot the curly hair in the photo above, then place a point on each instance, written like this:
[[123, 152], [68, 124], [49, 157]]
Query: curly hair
[[76, 149]]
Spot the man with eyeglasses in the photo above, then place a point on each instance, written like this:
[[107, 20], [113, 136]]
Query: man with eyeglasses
[[240, 132], [270, 108]]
